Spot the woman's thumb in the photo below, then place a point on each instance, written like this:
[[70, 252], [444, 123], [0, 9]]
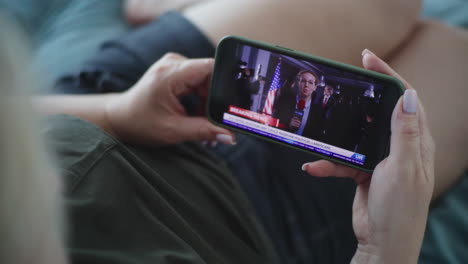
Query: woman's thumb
[[199, 128], [406, 130]]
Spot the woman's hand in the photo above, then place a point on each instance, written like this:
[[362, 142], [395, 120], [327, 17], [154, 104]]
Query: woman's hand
[[151, 113], [391, 206]]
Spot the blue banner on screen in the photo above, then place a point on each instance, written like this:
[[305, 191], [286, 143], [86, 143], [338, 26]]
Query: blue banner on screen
[[294, 139]]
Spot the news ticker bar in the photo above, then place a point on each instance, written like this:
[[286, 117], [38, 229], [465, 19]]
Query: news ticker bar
[[293, 139]]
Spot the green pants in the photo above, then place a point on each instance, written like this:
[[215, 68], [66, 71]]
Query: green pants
[[133, 204]]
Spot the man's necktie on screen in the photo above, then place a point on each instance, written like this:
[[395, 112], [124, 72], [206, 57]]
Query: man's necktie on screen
[[325, 100]]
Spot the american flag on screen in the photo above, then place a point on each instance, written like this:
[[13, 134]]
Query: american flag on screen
[[275, 85]]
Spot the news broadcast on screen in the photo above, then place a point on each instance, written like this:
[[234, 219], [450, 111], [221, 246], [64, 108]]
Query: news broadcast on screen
[[309, 105]]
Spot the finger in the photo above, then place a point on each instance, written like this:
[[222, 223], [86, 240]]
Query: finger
[[193, 76], [199, 128], [408, 124], [163, 66], [171, 57], [374, 63], [427, 146], [325, 168], [406, 127], [423, 123], [203, 88]]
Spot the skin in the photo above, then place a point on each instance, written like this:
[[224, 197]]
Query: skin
[[304, 92], [438, 49], [143, 11], [319, 27], [328, 91], [412, 47], [428, 54], [149, 112], [307, 85], [386, 208], [394, 201]]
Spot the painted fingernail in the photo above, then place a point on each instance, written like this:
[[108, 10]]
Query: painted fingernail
[[304, 166], [410, 101], [214, 143], [204, 142], [366, 51], [225, 139]]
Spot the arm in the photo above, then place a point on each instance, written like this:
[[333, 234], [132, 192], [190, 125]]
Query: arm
[[88, 107], [150, 112]]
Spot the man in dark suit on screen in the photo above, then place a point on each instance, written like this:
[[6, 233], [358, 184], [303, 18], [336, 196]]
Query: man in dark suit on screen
[[323, 113], [293, 107]]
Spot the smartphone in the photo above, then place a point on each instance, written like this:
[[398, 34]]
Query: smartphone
[[336, 111]]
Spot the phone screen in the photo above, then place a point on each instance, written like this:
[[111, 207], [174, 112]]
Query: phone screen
[[339, 112]]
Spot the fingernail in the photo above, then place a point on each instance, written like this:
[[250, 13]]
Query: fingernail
[[204, 142], [214, 143], [225, 139], [304, 166], [410, 101], [366, 51]]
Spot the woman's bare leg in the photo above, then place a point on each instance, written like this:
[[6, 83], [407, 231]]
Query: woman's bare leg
[[430, 55], [338, 29], [434, 62], [142, 11]]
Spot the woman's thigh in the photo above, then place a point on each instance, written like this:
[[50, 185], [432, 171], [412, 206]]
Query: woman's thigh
[[338, 29]]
